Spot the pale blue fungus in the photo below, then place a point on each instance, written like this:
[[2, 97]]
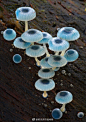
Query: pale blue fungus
[[57, 44], [9, 34], [44, 63], [56, 113], [64, 97], [68, 34], [80, 115], [46, 38], [57, 61], [32, 35], [17, 58], [71, 55], [21, 44], [46, 73], [35, 51], [25, 13], [44, 84]]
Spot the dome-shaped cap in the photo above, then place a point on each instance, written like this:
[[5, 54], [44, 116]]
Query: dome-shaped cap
[[56, 113], [9, 34], [57, 44], [32, 35], [68, 33], [64, 97], [80, 114], [44, 84], [46, 38], [44, 63], [17, 58], [25, 13], [46, 73], [71, 55], [19, 43], [35, 51], [57, 61]]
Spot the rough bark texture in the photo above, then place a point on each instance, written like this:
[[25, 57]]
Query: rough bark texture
[[19, 100]]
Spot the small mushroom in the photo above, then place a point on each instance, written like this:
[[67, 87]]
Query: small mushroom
[[9, 34], [46, 73], [56, 44], [71, 55], [63, 97], [44, 85], [35, 51], [57, 61], [25, 14], [32, 35], [68, 34], [19, 43], [46, 38], [80, 114], [17, 58], [56, 113]]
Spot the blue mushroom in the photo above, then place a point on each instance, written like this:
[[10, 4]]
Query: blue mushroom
[[57, 61], [44, 85], [80, 114], [9, 34], [68, 33], [32, 35], [71, 55], [44, 63], [17, 58], [21, 44], [56, 113], [46, 73], [63, 97], [25, 14]]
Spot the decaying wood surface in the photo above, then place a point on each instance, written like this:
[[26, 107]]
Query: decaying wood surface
[[19, 100]]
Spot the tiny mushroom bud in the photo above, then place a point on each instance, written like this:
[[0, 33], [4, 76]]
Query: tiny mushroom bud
[[63, 97], [56, 113], [80, 114], [9, 34], [46, 73], [17, 58], [44, 85], [68, 33], [71, 55]]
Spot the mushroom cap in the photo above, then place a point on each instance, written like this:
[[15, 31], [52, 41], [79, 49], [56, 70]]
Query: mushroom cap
[[44, 84], [17, 58], [80, 114], [64, 97], [46, 73], [32, 35], [68, 33], [46, 38], [56, 113], [57, 44], [19, 43], [9, 34], [35, 51], [71, 55], [25, 13], [57, 61], [44, 63], [57, 68]]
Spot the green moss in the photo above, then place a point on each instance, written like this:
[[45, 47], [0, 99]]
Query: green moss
[[1, 9]]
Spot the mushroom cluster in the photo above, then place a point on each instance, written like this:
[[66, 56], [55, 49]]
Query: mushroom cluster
[[30, 41]]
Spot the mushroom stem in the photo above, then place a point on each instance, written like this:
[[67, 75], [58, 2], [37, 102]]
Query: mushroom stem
[[32, 43], [38, 62], [62, 53], [45, 94], [47, 53], [53, 68], [26, 25], [57, 53], [63, 108]]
